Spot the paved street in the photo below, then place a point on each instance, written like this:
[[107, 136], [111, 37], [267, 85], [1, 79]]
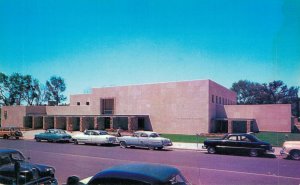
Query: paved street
[[198, 167]]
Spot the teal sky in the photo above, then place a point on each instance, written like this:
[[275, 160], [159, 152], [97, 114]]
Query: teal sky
[[100, 43]]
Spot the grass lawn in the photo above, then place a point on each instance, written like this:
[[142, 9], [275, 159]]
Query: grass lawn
[[276, 139]]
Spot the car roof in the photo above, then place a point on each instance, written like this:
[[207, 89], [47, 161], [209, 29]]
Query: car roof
[[150, 173], [5, 151]]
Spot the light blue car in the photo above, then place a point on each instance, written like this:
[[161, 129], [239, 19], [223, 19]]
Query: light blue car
[[53, 135]]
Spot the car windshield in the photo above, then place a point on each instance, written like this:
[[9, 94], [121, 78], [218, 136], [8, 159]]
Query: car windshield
[[60, 132]]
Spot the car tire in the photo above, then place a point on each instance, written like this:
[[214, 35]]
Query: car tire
[[5, 137], [253, 153], [211, 150], [37, 140], [17, 137], [123, 144], [295, 154], [75, 142], [160, 148], [151, 147]]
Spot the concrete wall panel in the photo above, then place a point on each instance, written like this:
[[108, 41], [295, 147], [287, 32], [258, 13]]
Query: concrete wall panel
[[275, 117]]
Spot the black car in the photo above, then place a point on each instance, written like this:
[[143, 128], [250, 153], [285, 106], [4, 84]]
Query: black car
[[14, 169], [137, 174], [238, 142]]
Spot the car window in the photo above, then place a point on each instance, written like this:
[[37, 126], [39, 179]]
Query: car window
[[144, 135], [135, 135], [87, 132], [232, 138], [5, 159], [154, 135], [103, 133], [244, 138], [178, 179], [95, 133]]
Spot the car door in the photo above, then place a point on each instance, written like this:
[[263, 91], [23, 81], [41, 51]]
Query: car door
[[231, 143], [144, 139], [96, 137]]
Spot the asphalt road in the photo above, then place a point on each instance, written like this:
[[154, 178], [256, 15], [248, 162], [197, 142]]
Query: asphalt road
[[197, 167]]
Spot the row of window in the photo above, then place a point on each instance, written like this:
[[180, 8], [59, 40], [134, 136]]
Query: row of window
[[86, 103], [221, 100]]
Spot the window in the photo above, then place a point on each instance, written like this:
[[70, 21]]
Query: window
[[78, 103], [107, 106], [144, 135], [212, 98], [5, 114], [217, 99]]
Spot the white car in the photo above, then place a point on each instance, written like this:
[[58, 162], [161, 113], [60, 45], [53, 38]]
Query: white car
[[147, 139], [291, 149], [94, 137]]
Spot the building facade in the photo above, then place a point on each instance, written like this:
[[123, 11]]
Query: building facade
[[187, 107]]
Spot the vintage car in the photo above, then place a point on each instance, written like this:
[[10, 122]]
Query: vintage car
[[291, 149], [238, 142], [94, 137], [53, 135], [147, 139], [136, 174], [10, 132], [14, 169]]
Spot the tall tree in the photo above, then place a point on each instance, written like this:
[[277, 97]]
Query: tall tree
[[275, 92], [247, 92], [54, 89], [31, 89], [4, 89]]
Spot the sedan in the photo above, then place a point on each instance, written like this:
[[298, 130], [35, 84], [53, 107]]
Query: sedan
[[135, 174], [238, 142], [94, 137], [14, 169], [146, 139], [53, 135]]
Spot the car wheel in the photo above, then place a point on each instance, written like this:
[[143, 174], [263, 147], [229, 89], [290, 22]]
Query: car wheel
[[253, 153], [295, 154], [17, 137], [75, 142], [160, 148], [151, 147], [37, 140], [123, 144], [211, 150]]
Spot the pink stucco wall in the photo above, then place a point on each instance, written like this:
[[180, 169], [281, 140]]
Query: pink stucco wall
[[173, 107], [275, 117], [68, 110], [14, 117], [216, 90]]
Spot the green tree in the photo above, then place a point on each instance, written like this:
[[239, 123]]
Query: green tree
[[54, 90], [4, 89], [275, 92], [31, 91]]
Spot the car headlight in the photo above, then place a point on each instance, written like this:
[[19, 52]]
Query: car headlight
[[51, 171]]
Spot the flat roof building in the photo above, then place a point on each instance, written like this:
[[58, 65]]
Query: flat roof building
[[187, 107]]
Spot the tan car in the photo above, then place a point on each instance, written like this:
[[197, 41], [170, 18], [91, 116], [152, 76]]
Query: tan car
[[291, 149], [8, 132]]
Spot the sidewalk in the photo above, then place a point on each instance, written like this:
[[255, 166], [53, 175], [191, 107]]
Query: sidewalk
[[176, 145]]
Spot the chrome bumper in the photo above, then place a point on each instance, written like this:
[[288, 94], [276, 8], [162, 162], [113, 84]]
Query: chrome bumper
[[284, 153]]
